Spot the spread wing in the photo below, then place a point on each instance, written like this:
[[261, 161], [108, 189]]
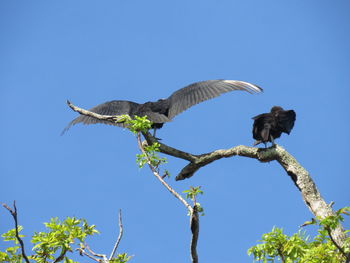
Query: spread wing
[[115, 107], [285, 120], [204, 90]]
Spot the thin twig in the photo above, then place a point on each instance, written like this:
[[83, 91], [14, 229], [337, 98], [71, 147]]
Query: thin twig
[[109, 118], [281, 255], [95, 254], [82, 251], [194, 223], [61, 256], [14, 215], [88, 255], [119, 236], [156, 174]]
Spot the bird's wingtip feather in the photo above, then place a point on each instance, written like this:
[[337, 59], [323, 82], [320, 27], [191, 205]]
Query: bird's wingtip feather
[[64, 130], [249, 87]]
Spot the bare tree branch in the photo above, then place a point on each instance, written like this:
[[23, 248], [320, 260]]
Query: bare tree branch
[[110, 118], [156, 174], [195, 233], [104, 258], [198, 161], [297, 173], [301, 178], [14, 215], [194, 223], [61, 256], [150, 139], [170, 150], [119, 236], [82, 251]]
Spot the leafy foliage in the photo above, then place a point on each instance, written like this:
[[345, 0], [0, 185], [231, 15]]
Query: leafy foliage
[[142, 124], [137, 124], [192, 194], [11, 254], [121, 258], [300, 248], [151, 153], [53, 245], [60, 237]]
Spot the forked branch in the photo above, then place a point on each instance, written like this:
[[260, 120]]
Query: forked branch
[[194, 222], [119, 236], [300, 177], [156, 174], [19, 239]]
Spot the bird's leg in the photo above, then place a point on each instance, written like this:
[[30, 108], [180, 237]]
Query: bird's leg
[[154, 134], [256, 143], [272, 140]]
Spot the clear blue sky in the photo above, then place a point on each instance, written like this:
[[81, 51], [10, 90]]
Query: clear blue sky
[[94, 51]]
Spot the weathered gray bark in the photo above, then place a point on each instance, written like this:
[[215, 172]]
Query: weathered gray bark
[[297, 173], [301, 178]]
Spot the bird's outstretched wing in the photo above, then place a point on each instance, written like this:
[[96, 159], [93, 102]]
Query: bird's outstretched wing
[[285, 120], [205, 90], [115, 107]]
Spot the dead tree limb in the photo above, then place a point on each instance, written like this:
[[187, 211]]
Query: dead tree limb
[[297, 173], [119, 236], [19, 239], [156, 174], [103, 258], [110, 118], [194, 221], [195, 233]]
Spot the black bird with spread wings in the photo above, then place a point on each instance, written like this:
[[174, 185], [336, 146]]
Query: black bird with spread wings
[[164, 110], [269, 126]]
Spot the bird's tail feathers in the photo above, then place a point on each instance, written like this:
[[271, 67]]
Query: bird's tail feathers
[[157, 117]]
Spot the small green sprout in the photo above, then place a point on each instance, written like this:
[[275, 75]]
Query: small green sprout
[[137, 124], [151, 152], [193, 192]]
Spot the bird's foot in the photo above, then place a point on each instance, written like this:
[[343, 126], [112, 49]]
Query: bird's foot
[[256, 143]]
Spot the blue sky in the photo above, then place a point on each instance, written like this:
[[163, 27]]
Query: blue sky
[[94, 51]]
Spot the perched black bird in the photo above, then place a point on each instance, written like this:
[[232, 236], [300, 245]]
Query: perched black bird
[[269, 126], [164, 110]]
